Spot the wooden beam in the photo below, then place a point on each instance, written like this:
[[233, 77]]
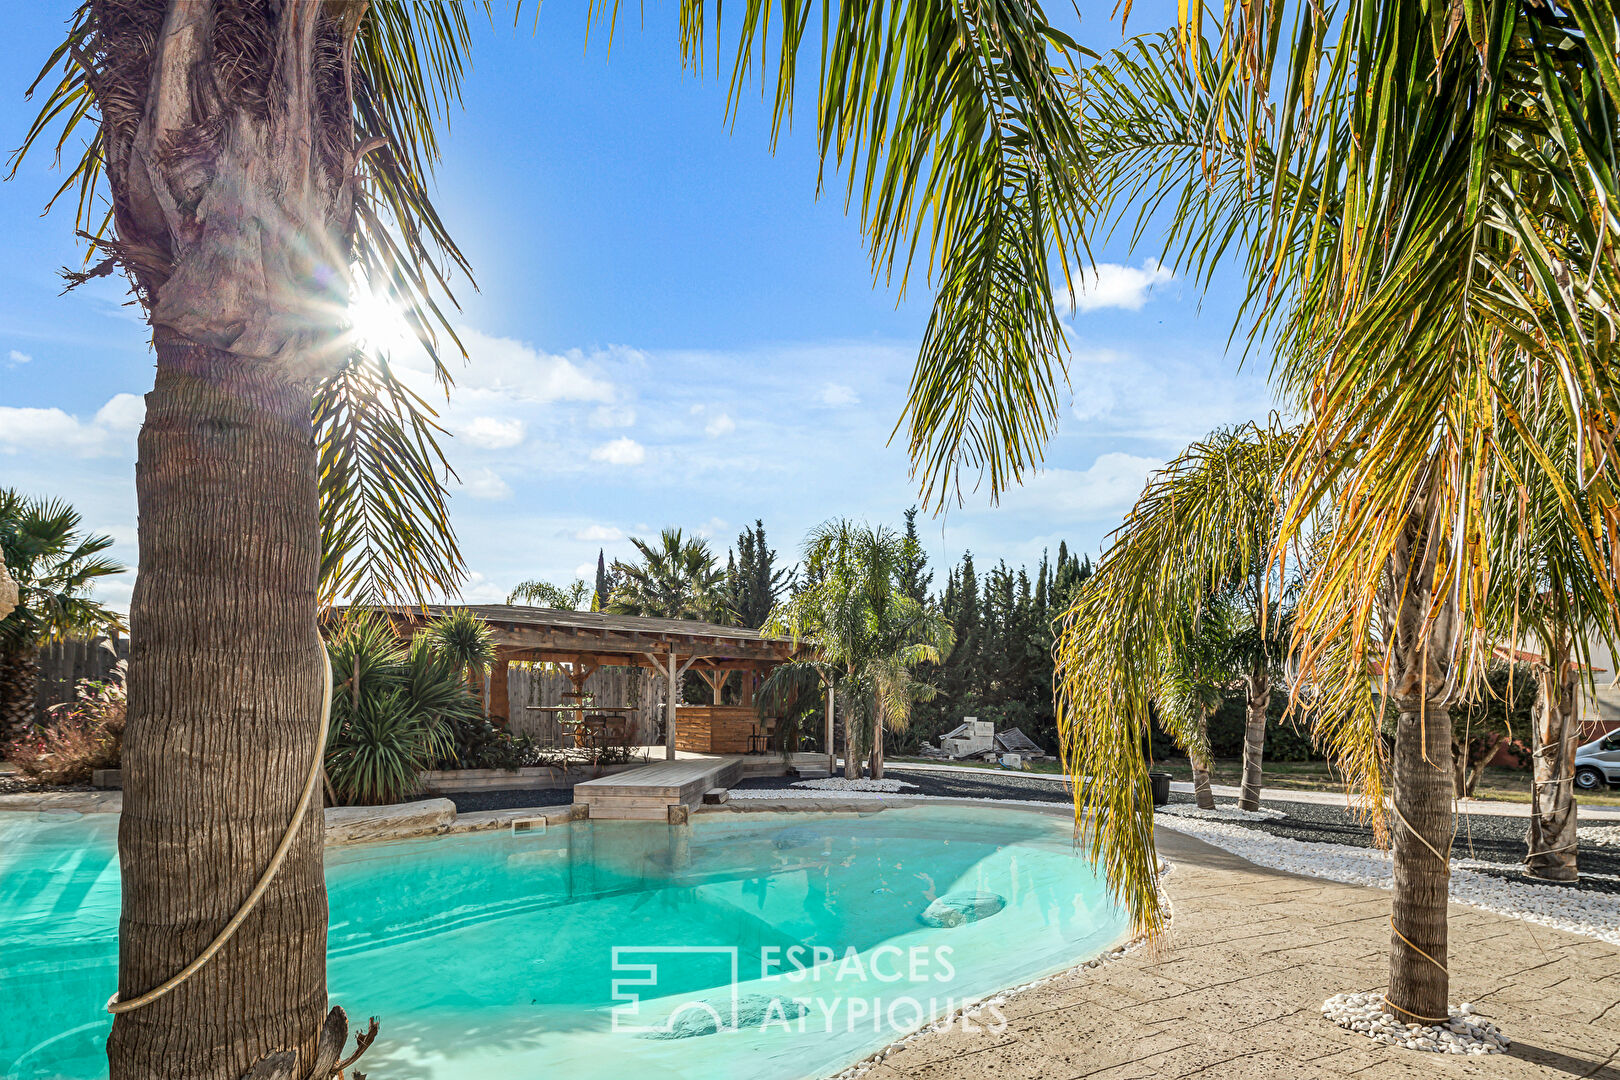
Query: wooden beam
[[500, 705]]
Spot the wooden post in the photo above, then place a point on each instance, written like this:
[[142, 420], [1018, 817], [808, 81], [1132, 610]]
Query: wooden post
[[832, 757], [500, 705], [669, 710]]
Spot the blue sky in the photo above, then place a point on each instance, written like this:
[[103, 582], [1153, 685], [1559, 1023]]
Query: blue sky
[[669, 328]]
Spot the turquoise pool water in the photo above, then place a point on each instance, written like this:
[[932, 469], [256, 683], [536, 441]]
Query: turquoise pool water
[[744, 947]]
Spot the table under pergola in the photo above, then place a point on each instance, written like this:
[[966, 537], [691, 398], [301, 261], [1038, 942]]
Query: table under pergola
[[580, 642]]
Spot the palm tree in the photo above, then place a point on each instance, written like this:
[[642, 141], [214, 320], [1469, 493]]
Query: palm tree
[[52, 567], [264, 163], [1183, 605], [1195, 672], [545, 594], [677, 579], [854, 606], [1424, 240]]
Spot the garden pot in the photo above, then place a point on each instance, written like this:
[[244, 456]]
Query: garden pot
[[1161, 787]]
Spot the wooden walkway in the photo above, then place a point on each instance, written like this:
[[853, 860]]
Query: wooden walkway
[[650, 792]]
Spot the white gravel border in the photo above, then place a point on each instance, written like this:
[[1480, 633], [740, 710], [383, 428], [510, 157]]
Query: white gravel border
[[1580, 912], [1221, 813], [1605, 835], [840, 783], [1465, 1034]]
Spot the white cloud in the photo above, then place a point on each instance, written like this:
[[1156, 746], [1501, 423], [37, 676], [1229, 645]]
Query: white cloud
[[17, 356], [1110, 285], [838, 396], [611, 416], [586, 570], [1111, 483], [598, 533], [53, 431], [491, 433], [505, 369], [123, 412], [621, 451], [720, 425], [485, 484]]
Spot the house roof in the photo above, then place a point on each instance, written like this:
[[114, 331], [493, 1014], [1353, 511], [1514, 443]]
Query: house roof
[[550, 635]]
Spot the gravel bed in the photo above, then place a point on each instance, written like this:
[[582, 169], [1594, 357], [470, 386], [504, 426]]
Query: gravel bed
[[17, 784], [1489, 843], [470, 802], [839, 783], [1222, 813], [1590, 912], [1465, 1034]]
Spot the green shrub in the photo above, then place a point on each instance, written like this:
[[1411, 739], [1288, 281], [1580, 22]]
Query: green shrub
[[395, 710], [81, 736]]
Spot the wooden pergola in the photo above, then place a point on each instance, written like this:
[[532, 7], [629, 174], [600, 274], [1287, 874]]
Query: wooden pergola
[[580, 642]]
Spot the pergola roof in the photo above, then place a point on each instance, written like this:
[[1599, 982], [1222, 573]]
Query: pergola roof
[[552, 635]]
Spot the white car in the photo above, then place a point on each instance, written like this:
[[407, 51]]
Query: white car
[[1598, 763]]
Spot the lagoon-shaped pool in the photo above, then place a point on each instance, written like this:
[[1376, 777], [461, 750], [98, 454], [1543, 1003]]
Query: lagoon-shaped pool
[[756, 946]]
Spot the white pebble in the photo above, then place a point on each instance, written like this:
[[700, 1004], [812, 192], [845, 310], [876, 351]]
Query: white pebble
[[1364, 1013]]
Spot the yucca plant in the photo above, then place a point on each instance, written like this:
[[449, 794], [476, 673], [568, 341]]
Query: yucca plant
[[395, 708]]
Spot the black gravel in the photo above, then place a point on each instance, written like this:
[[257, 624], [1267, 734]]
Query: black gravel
[[469, 802], [954, 785]]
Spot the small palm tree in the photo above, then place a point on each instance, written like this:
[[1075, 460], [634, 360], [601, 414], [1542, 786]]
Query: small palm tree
[[676, 579], [53, 567], [854, 606], [545, 594]]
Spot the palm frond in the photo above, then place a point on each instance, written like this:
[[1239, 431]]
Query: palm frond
[[950, 124], [408, 60]]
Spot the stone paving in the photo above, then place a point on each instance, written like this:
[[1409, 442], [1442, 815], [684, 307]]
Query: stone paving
[[1235, 989]]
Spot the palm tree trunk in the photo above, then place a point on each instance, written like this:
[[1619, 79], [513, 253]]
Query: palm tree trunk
[[1421, 834], [1257, 688], [1551, 840], [876, 767], [1421, 627], [1200, 770], [19, 692], [224, 692]]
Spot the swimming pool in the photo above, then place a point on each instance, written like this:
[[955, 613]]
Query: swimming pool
[[762, 946]]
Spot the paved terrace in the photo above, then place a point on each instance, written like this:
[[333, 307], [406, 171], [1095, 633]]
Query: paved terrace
[[1233, 994]]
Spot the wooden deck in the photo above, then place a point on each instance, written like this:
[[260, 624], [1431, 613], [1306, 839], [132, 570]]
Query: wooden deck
[[648, 793]]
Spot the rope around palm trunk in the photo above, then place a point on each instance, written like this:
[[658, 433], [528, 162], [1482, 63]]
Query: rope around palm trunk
[[115, 1006]]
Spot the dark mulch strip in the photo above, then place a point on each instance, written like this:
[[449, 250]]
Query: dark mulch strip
[[16, 784], [992, 785], [468, 802], [1492, 838]]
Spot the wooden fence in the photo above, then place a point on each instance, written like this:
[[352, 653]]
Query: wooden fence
[[540, 685], [63, 663]]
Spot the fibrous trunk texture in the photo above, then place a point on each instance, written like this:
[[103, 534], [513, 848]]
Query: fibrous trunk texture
[[1551, 838], [1200, 770], [876, 766], [224, 700], [1420, 657], [19, 692], [1257, 694]]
